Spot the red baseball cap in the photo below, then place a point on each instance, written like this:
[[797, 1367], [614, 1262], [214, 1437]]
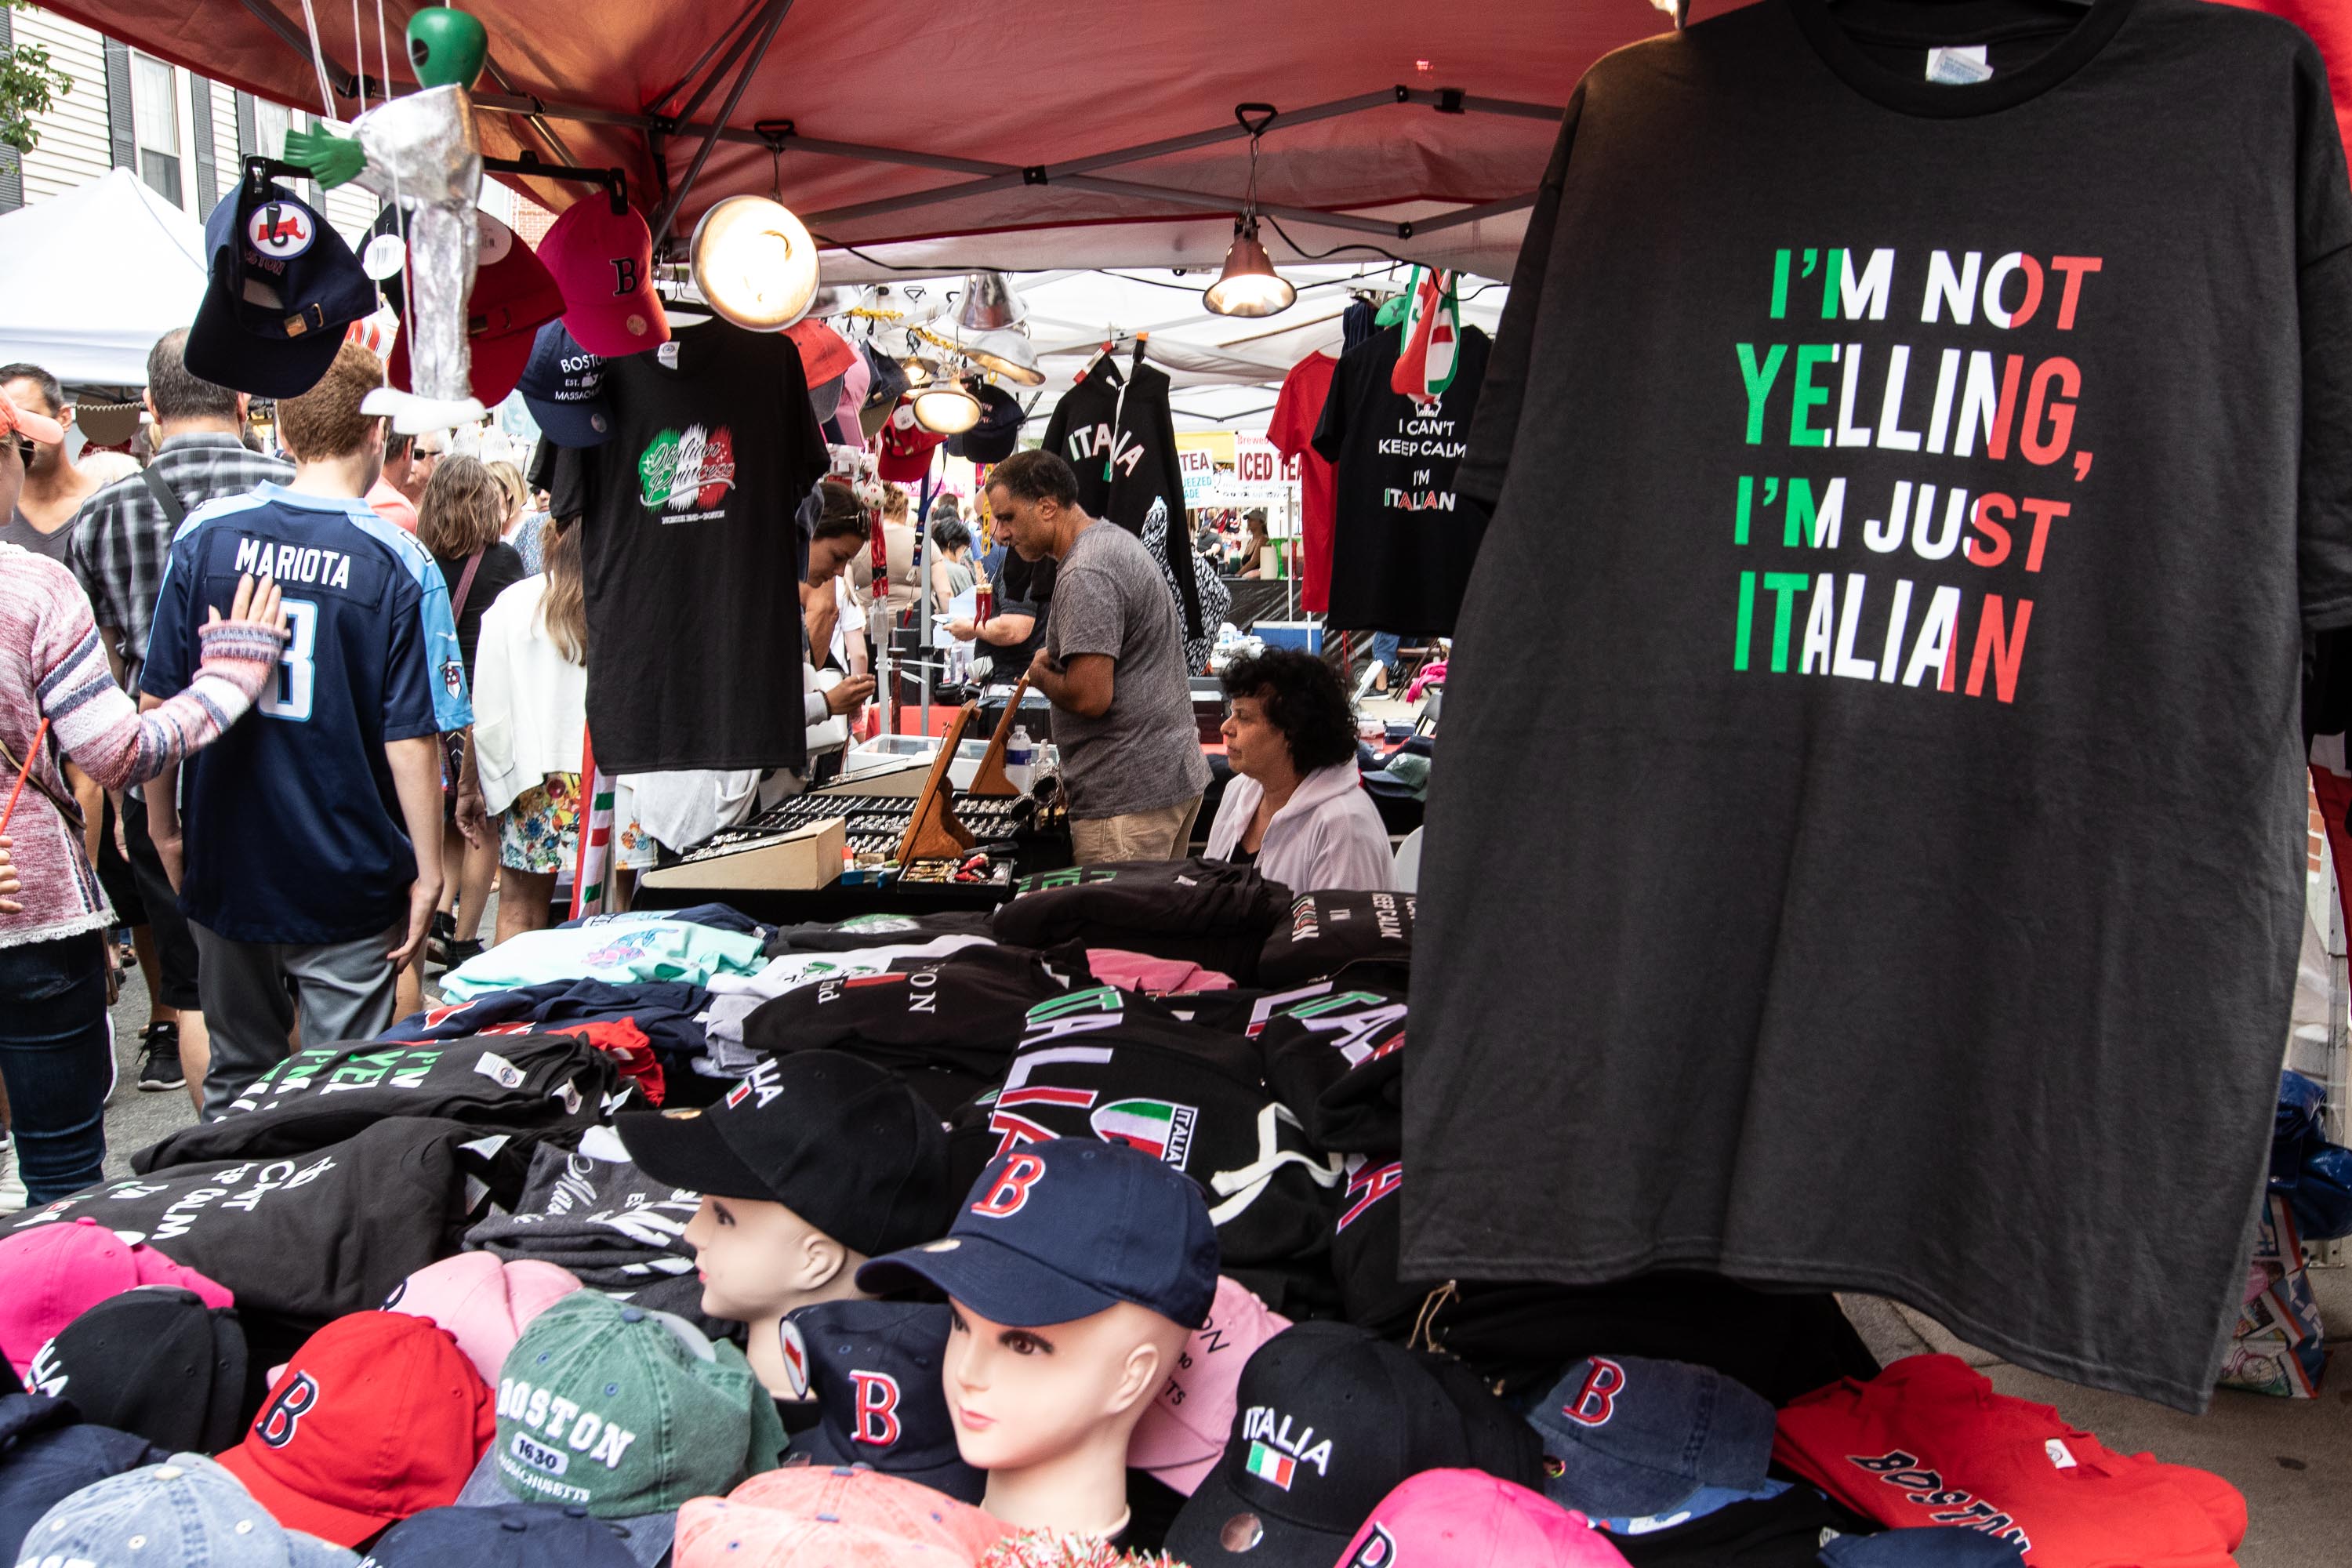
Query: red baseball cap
[[905, 455], [1468, 1519], [56, 1272], [379, 1416], [826, 355], [604, 263], [514, 296]]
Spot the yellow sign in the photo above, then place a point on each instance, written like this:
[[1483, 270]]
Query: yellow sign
[[1218, 443]]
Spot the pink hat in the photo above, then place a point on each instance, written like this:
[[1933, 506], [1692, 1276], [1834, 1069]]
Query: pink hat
[[604, 263], [485, 1304], [856, 383], [56, 1272], [846, 1516], [1468, 1519], [1183, 1431]]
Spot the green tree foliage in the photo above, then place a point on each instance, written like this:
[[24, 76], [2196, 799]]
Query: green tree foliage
[[28, 85]]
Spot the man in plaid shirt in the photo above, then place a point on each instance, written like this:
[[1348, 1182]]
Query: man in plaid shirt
[[122, 538]]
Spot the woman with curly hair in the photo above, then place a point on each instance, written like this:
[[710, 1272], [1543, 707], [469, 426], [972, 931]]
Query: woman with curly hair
[[1294, 806]]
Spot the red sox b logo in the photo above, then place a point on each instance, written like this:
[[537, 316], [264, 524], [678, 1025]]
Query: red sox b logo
[[1011, 1189], [878, 1408], [1378, 1550], [286, 1409], [1596, 1401]]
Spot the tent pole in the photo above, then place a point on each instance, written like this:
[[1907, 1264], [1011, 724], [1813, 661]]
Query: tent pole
[[1215, 203], [736, 30], [1472, 215], [776, 11]]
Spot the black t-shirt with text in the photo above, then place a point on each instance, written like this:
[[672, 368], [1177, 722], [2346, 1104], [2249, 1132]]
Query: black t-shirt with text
[[691, 556], [1870, 851], [1402, 542]]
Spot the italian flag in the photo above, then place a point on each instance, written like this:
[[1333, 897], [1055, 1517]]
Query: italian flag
[[1433, 330], [591, 870], [1151, 1125], [1269, 1466]]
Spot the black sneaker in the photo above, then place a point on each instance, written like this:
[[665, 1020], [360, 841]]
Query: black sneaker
[[159, 1058], [459, 950], [443, 931]]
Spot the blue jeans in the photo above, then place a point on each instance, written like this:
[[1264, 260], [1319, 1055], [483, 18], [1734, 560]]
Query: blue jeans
[[1384, 653], [57, 1056]]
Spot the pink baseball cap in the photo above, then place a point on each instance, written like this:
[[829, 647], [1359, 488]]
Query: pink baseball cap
[[604, 263], [846, 1516], [484, 1302], [56, 1272], [25, 422], [1468, 1519], [1183, 1431]]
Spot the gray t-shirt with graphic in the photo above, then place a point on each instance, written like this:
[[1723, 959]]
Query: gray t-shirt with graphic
[[1144, 754]]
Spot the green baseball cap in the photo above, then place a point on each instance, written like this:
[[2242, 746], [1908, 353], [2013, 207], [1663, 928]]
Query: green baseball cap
[[627, 1412]]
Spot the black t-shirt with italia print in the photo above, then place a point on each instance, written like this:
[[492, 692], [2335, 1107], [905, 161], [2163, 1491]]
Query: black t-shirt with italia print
[[1914, 476], [691, 556]]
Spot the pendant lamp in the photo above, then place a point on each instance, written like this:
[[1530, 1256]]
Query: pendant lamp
[[754, 263], [1249, 286], [1009, 353], [988, 304], [947, 406]]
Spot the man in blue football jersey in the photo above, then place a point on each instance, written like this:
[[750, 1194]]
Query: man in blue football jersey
[[309, 856]]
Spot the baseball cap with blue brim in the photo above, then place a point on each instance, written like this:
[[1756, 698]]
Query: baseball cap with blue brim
[[187, 1512], [283, 286], [626, 1413], [1931, 1546], [1627, 1437], [1063, 1229]]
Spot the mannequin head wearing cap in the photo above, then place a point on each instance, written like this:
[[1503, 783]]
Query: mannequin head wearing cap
[[759, 1260], [1076, 1269], [1048, 1412], [808, 1166]]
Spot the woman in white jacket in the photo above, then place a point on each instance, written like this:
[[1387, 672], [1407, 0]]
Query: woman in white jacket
[[1294, 806]]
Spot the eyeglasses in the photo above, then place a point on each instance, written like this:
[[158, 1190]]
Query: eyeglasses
[[25, 449]]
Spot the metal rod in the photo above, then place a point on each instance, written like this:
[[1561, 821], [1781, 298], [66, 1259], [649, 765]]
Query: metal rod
[[1472, 215], [1514, 108], [717, 73], [299, 40], [538, 123], [1215, 203], [1227, 133], [777, 9], [888, 204], [673, 88]]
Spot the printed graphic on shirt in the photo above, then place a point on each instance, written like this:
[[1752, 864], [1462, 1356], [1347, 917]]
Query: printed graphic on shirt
[[693, 467], [1923, 1487], [1160, 1129], [1986, 497]]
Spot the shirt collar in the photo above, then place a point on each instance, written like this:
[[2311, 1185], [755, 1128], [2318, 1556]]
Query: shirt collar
[[194, 438]]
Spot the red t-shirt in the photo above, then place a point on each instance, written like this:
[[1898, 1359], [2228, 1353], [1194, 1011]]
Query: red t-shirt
[[1928, 1442], [1296, 413]]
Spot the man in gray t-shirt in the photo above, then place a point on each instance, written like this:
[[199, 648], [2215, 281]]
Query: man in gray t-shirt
[[1113, 665]]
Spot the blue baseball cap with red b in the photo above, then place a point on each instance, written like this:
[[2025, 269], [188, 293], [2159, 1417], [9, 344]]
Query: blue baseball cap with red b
[[1064, 1229]]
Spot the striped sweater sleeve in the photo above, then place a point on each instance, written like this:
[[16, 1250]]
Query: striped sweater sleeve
[[105, 734]]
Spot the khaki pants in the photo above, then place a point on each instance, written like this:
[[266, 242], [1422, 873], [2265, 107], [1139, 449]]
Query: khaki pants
[[1161, 835]]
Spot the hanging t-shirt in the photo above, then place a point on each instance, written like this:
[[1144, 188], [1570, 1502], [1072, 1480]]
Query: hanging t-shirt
[[1296, 411], [1118, 435], [294, 830], [1402, 542], [691, 557], [1864, 510]]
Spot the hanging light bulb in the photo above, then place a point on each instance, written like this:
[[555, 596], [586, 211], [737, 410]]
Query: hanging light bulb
[[1249, 286], [919, 370], [988, 304], [754, 263], [1008, 353], [946, 406]]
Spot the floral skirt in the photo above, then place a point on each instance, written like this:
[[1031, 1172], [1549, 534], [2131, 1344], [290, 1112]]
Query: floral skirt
[[540, 831]]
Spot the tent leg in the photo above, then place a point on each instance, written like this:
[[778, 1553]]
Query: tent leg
[[776, 11]]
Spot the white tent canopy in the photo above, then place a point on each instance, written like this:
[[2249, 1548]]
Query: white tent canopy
[[89, 279]]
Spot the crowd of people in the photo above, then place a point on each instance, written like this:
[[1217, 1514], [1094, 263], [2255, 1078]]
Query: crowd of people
[[420, 742]]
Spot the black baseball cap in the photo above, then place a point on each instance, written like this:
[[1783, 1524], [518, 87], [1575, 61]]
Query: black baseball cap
[[282, 287], [157, 1361], [512, 1535], [1065, 1229], [1327, 1421], [874, 1368], [837, 1141], [563, 387], [999, 430]]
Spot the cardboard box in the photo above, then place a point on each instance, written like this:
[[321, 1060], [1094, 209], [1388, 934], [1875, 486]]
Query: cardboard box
[[810, 858]]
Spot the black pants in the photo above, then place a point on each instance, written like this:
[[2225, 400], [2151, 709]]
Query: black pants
[[175, 948]]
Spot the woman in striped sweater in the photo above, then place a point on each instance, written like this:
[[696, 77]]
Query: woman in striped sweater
[[54, 1051]]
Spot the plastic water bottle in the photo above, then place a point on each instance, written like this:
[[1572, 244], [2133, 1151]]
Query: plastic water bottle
[[1019, 753]]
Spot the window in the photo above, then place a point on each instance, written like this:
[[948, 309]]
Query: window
[[270, 121], [155, 122]]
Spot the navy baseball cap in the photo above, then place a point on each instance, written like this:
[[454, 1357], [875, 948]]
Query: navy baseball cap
[[563, 387], [47, 1453], [874, 1368], [1930, 1546], [283, 286], [1066, 1228], [1626, 1436], [513, 1535]]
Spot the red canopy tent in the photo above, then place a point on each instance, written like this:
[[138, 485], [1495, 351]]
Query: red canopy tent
[[1064, 135]]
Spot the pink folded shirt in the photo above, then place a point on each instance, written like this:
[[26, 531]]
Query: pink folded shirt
[[1153, 977], [58, 1272]]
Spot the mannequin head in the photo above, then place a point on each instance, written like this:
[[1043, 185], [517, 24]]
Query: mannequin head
[[758, 1261], [1074, 1273]]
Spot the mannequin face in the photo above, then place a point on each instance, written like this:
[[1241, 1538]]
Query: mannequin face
[[759, 1260], [1022, 1399]]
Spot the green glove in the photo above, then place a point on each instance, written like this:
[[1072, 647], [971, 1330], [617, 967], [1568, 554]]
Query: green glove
[[332, 160]]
